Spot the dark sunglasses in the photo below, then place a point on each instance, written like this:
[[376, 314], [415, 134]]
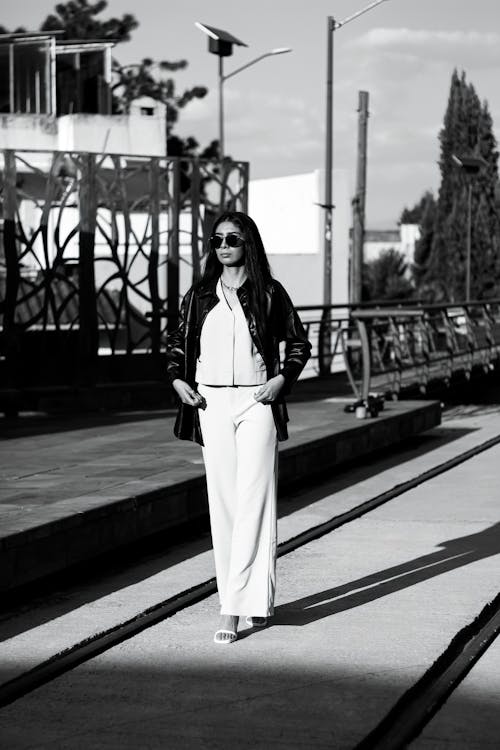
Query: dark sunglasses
[[232, 240]]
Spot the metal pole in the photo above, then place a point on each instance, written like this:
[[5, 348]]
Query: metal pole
[[469, 242], [324, 348], [221, 107], [328, 207]]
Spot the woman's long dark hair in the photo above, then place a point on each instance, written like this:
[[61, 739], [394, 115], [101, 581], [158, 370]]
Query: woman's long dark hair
[[256, 263]]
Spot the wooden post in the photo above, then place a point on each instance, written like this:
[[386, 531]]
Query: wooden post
[[358, 233], [88, 330]]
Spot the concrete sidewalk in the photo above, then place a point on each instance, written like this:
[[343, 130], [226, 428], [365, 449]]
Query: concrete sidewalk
[[361, 614], [69, 496]]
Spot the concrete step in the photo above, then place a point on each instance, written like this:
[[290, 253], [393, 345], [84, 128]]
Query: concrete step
[[69, 497]]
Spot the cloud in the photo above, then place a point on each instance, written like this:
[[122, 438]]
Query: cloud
[[458, 47], [261, 125]]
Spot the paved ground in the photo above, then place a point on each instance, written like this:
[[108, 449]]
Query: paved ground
[[67, 496], [361, 614]]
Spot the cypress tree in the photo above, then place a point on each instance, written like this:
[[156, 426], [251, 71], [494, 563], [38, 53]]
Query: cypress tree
[[427, 222], [467, 131]]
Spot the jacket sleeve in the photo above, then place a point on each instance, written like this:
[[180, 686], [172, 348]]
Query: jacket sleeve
[[297, 345], [176, 344]]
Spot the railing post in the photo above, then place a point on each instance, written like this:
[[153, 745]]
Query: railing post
[[365, 358], [245, 178], [88, 324], [173, 250], [10, 332], [154, 192], [324, 343], [195, 219]]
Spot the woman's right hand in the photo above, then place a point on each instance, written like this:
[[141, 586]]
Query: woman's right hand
[[187, 394]]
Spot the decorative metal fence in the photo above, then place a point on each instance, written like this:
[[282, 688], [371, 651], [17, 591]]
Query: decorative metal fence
[[91, 253]]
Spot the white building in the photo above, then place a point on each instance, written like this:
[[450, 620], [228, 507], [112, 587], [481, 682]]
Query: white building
[[56, 96], [290, 219], [402, 239]]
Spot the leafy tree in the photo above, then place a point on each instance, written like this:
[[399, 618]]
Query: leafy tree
[[385, 277], [467, 131], [78, 19], [415, 214], [19, 30]]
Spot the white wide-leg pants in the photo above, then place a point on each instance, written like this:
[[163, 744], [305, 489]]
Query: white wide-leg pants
[[241, 465]]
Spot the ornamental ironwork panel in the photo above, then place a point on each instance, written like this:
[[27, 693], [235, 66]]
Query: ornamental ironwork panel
[[91, 252]]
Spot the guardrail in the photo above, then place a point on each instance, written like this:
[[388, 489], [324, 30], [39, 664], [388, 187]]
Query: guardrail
[[387, 348]]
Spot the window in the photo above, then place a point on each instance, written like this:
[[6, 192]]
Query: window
[[81, 84], [25, 76]]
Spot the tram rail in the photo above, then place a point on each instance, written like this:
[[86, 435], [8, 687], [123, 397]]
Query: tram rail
[[412, 711]]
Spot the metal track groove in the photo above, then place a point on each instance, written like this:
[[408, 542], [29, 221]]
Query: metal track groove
[[413, 711], [70, 658]]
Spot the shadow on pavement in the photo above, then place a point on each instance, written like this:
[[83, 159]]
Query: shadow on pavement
[[201, 699], [452, 554]]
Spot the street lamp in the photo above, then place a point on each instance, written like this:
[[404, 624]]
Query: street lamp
[[221, 43], [471, 166], [332, 26]]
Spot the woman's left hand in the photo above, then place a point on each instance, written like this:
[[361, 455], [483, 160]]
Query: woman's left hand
[[268, 392]]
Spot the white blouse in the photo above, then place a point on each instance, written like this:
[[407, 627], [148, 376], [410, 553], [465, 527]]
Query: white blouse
[[227, 353]]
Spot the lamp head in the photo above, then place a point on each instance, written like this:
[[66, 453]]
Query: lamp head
[[220, 42], [470, 164]]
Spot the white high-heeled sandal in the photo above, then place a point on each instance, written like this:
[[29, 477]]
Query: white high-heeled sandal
[[225, 641]]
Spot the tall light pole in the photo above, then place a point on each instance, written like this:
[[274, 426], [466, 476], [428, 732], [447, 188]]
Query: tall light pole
[[471, 166], [221, 43], [332, 26]]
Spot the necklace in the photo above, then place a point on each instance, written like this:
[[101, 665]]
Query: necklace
[[231, 288]]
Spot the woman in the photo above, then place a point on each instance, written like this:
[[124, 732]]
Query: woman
[[224, 364]]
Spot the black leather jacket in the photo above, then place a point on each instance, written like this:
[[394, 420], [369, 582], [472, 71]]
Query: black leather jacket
[[282, 324]]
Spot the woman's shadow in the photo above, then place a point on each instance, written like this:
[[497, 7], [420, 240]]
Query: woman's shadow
[[452, 554]]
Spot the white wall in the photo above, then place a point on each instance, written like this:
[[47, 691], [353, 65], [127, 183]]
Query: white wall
[[290, 220], [116, 134], [410, 233]]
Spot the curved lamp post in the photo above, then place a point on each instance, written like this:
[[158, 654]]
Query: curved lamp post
[[332, 26], [221, 43]]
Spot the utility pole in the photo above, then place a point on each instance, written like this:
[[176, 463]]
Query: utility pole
[[328, 206], [358, 224]]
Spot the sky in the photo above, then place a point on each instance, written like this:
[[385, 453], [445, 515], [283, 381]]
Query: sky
[[402, 52]]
